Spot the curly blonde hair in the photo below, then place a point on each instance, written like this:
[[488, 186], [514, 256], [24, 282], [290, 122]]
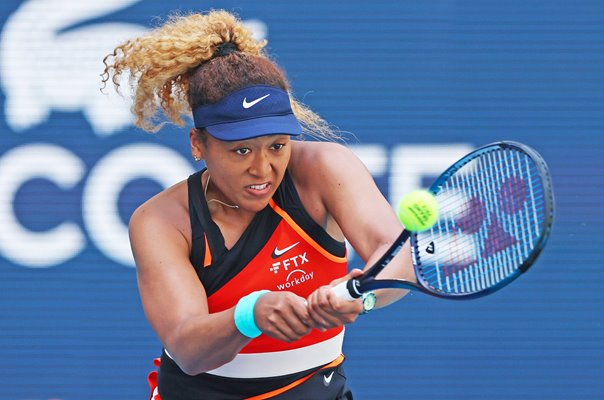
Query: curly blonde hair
[[181, 64]]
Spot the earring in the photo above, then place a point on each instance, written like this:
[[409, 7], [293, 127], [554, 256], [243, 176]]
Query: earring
[[196, 158]]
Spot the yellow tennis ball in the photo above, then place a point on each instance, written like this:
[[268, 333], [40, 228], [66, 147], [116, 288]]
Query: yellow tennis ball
[[418, 210]]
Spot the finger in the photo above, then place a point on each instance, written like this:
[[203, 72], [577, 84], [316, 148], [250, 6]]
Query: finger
[[301, 321], [294, 316], [321, 310], [317, 321], [297, 318], [280, 315], [342, 306], [329, 311], [330, 321], [347, 311], [284, 333], [287, 329]]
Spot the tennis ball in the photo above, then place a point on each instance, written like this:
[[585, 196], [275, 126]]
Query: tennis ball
[[418, 210]]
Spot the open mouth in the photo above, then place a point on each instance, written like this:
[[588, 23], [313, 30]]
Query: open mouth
[[258, 187]]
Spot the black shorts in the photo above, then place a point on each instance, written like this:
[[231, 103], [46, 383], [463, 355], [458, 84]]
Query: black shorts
[[322, 383]]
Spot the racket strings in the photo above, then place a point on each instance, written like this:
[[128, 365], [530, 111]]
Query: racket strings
[[492, 210]]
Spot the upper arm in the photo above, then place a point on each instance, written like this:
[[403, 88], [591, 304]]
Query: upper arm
[[170, 290], [343, 189], [352, 199]]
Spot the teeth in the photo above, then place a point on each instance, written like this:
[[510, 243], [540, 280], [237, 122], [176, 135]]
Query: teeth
[[259, 187]]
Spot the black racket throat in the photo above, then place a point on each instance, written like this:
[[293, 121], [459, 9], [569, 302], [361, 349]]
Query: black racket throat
[[374, 284], [357, 287], [392, 251]]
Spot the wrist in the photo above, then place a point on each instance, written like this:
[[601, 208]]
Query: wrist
[[369, 301], [244, 314]]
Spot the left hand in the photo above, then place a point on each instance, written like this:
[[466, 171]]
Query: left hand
[[327, 310]]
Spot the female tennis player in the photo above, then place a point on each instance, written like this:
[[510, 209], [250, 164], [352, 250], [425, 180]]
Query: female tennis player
[[235, 263]]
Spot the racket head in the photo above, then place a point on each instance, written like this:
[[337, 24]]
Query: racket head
[[496, 214]]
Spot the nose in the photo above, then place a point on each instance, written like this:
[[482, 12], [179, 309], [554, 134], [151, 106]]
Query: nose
[[261, 164]]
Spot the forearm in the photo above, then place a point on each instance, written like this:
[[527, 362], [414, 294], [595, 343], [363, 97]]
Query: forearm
[[205, 342]]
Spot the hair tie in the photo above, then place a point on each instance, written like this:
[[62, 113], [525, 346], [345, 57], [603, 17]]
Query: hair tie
[[224, 49]]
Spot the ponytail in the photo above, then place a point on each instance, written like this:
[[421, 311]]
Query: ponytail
[[196, 60]]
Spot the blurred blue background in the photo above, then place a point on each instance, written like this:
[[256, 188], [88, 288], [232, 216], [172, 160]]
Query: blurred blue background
[[416, 83]]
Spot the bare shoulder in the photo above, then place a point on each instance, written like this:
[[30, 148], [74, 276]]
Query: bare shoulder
[[326, 176], [167, 211], [316, 160], [342, 189], [315, 151]]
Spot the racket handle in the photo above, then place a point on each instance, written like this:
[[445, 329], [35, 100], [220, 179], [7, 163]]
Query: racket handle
[[346, 290]]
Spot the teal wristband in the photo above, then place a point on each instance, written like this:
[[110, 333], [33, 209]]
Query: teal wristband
[[244, 314]]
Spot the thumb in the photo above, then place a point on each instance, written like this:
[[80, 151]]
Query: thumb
[[354, 273]]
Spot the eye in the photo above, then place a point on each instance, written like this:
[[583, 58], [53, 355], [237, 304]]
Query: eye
[[242, 151], [278, 146]]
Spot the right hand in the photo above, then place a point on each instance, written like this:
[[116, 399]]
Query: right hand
[[327, 310], [282, 315]]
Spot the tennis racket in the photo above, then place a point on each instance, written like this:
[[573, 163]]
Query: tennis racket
[[496, 210]]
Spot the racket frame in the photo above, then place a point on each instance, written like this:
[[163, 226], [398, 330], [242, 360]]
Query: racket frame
[[355, 287]]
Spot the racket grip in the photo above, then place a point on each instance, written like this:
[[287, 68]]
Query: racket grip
[[345, 290]]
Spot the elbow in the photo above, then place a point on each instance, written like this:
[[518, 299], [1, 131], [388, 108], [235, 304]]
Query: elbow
[[190, 368], [182, 356], [186, 360], [189, 365], [194, 361], [194, 367], [194, 352]]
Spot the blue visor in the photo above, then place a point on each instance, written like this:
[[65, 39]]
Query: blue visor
[[248, 113]]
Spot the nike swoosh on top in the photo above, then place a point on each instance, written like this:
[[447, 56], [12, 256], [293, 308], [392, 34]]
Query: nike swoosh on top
[[279, 252], [327, 378], [247, 104]]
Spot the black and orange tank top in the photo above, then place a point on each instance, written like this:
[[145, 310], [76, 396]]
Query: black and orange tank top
[[283, 249]]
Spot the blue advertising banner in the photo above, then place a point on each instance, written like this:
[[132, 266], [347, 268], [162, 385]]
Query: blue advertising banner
[[415, 84]]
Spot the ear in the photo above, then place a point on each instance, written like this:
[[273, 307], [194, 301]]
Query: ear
[[197, 146]]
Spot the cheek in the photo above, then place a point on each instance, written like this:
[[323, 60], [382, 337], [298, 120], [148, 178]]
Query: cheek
[[219, 170], [219, 161], [284, 159], [280, 165]]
